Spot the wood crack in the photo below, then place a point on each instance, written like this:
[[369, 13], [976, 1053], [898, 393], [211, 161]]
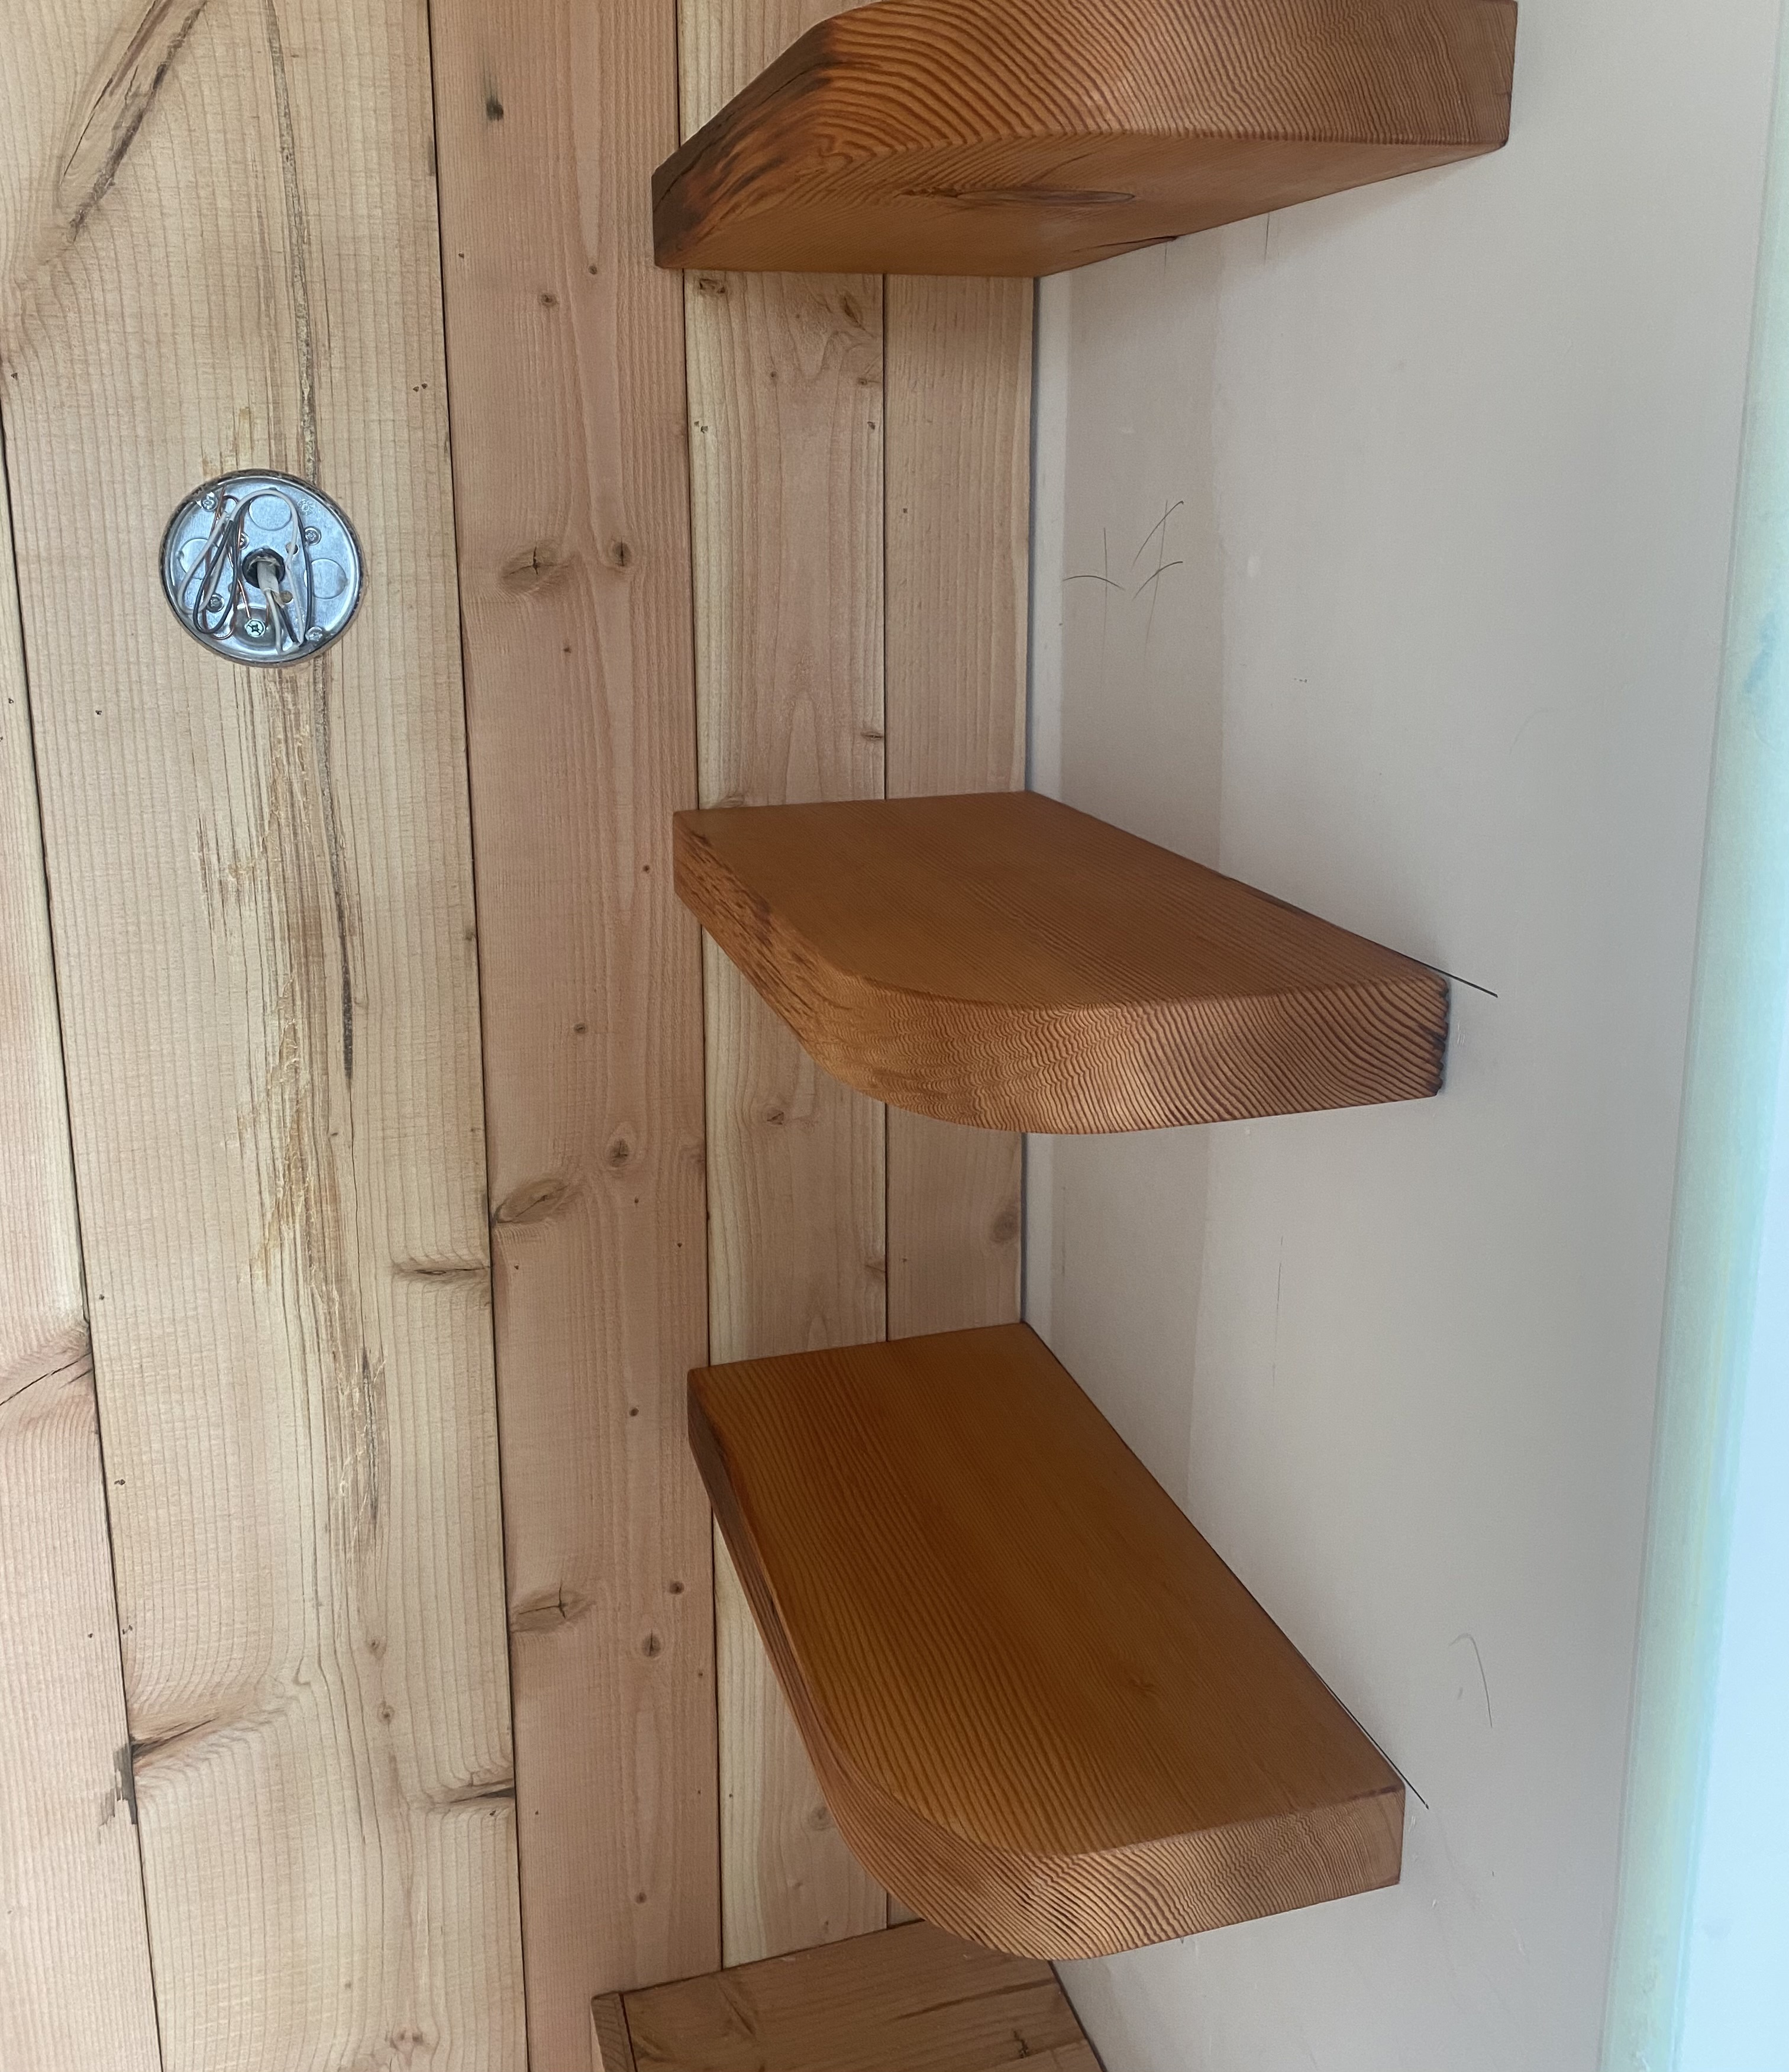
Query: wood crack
[[64, 1357], [124, 83], [297, 247]]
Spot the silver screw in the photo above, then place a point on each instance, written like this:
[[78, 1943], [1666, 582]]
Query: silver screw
[[207, 503], [312, 536], [255, 628]]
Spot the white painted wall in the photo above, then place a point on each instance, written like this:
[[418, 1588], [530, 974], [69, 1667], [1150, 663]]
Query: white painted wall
[[1381, 557]]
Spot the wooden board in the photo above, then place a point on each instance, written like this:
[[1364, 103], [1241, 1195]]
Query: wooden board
[[1003, 960], [1021, 137], [1043, 1711], [218, 248], [914, 2000], [958, 380], [75, 1994], [566, 351], [611, 2048], [785, 400], [861, 516]]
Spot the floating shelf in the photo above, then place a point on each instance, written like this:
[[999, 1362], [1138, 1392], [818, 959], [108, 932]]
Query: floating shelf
[[1042, 1710], [910, 1999], [1002, 960], [1028, 136]]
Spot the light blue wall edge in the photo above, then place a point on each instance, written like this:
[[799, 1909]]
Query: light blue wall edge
[[1722, 1359]]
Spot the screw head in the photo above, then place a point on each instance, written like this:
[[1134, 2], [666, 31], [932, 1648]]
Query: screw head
[[209, 502], [255, 628], [312, 536]]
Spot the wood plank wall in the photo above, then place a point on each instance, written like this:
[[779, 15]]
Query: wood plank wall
[[565, 362], [859, 458], [219, 246], [789, 564], [75, 1986], [785, 386]]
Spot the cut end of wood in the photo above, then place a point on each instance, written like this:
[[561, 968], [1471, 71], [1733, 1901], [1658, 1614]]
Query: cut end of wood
[[611, 2048], [1002, 960], [1043, 1712], [1026, 136], [913, 1999]]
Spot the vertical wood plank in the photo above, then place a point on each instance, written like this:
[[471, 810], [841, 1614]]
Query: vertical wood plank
[[785, 419], [75, 1994], [958, 377], [219, 247], [565, 350]]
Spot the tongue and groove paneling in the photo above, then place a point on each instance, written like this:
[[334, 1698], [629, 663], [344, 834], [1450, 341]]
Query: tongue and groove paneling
[[565, 359], [219, 248]]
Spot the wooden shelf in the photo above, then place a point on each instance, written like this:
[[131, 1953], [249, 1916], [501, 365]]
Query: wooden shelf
[[1028, 136], [1002, 960], [913, 1999], [1043, 1711]]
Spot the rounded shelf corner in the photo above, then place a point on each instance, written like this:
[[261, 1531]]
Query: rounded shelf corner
[[1001, 960], [1042, 1710]]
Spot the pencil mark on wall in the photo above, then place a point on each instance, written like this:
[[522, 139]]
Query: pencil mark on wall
[[1153, 572], [1156, 537], [1403, 1777], [1105, 578], [1159, 530], [1457, 980], [1484, 1681], [1158, 533]]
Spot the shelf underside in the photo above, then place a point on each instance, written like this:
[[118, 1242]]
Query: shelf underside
[[1043, 1712], [1001, 960], [1025, 136]]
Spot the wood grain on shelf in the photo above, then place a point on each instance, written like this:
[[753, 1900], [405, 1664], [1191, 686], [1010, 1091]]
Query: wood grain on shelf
[[958, 357], [611, 2048], [915, 2000], [785, 401], [566, 350], [75, 1994], [1003, 961], [218, 248], [1023, 137], [1044, 1711]]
